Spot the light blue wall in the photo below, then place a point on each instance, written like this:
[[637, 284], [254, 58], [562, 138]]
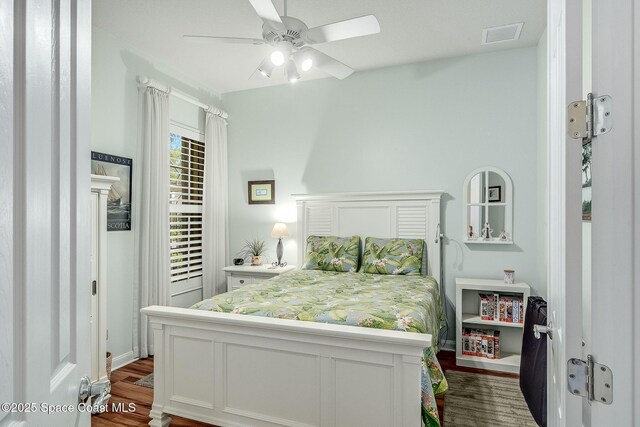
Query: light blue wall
[[115, 67], [419, 126]]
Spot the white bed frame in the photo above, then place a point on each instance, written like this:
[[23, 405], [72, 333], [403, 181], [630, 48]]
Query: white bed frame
[[238, 370]]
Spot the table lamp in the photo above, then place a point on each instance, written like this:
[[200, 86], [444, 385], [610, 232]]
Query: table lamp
[[279, 231]]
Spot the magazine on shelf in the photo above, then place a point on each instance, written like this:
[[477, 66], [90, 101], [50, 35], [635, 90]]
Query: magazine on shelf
[[507, 307], [481, 343], [487, 307], [521, 320]]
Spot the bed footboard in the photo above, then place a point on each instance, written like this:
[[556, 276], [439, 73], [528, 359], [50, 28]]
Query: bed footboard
[[236, 370]]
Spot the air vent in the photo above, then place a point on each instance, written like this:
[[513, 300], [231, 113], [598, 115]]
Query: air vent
[[504, 33]]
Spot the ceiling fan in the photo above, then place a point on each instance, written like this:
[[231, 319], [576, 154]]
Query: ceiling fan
[[290, 38]]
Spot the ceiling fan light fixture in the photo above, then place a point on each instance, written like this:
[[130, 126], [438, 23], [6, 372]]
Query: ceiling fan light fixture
[[292, 71], [277, 58], [307, 63], [304, 59], [266, 68], [280, 55]]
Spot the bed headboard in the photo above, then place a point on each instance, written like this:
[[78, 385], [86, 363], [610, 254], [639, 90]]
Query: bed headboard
[[402, 214]]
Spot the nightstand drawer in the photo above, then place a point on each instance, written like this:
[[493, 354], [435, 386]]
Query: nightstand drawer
[[237, 281], [242, 275]]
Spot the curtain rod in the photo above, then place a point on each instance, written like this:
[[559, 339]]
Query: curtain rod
[[148, 82]]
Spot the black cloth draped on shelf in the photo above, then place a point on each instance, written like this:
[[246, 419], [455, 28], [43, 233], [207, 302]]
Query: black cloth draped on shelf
[[533, 364]]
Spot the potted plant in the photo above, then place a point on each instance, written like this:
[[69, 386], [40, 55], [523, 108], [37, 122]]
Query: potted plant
[[254, 249]]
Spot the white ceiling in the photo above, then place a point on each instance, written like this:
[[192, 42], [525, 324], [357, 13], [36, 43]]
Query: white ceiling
[[411, 31]]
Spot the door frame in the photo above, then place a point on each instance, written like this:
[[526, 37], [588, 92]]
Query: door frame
[[636, 205], [564, 65]]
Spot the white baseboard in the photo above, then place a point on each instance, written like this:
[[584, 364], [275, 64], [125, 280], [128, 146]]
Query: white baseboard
[[122, 360]]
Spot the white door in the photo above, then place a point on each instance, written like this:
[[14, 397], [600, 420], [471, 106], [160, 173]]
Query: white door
[[614, 219], [44, 210], [615, 212]]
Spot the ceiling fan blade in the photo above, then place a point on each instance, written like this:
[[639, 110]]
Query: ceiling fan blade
[[328, 64], [268, 13], [356, 27], [232, 40]]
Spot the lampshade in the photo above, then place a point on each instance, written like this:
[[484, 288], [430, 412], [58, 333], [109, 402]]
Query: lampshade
[[307, 63], [281, 53], [277, 58], [266, 68], [280, 230], [292, 71], [303, 59]]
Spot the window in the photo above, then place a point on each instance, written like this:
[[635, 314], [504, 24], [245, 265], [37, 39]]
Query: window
[[186, 159]]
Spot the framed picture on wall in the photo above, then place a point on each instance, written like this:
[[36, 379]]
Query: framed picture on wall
[[495, 194], [262, 192], [119, 198]]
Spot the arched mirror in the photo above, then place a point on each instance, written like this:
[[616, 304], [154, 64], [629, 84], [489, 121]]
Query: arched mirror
[[488, 207]]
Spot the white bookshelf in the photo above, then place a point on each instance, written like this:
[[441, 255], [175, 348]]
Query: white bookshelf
[[467, 316]]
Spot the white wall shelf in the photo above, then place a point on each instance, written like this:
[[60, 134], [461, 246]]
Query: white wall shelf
[[475, 319], [467, 316], [509, 362], [487, 204], [494, 241]]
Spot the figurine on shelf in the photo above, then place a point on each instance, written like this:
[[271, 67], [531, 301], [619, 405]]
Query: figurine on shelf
[[471, 234], [509, 276], [486, 231], [504, 236]]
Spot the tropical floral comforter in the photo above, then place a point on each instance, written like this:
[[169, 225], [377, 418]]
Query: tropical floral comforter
[[405, 303]]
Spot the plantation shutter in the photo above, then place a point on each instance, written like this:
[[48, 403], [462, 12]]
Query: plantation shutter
[[185, 209]]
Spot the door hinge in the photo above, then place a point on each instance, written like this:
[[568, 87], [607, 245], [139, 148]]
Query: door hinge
[[590, 379], [94, 287], [589, 118]]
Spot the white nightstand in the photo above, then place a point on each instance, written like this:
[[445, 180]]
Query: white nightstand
[[467, 316], [242, 275]]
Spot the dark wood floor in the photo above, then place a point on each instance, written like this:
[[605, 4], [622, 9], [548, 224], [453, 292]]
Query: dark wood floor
[[123, 390]]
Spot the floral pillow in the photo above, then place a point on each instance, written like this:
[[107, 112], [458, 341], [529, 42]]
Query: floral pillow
[[330, 253], [392, 256]]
